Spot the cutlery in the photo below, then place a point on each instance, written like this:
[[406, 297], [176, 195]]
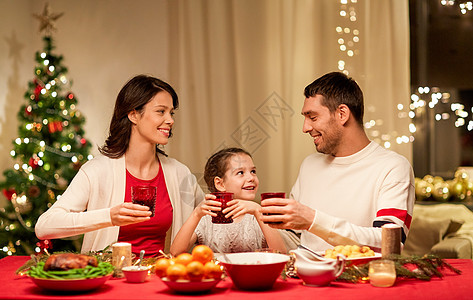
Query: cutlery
[[223, 254], [140, 260], [319, 256]]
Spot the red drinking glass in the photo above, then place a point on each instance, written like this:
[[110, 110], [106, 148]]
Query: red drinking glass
[[144, 195], [223, 198], [281, 195]]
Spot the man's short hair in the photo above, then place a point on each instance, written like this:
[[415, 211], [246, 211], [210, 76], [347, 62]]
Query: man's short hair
[[337, 88]]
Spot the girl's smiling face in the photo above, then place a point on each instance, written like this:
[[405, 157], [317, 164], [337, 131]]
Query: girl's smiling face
[[240, 177]]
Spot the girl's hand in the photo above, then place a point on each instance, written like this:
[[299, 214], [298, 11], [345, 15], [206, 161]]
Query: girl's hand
[[129, 213], [236, 208], [208, 207]]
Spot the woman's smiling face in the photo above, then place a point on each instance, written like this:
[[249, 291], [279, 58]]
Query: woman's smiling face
[[154, 123]]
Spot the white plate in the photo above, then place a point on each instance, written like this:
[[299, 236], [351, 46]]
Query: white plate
[[356, 260], [71, 285]]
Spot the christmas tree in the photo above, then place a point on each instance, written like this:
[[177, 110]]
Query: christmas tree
[[47, 154]]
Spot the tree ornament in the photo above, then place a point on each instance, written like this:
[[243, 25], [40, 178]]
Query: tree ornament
[[47, 20], [54, 126], [38, 126], [9, 193], [51, 195], [461, 175], [437, 179], [423, 189], [21, 204], [34, 191], [37, 90], [429, 178], [458, 188], [441, 191], [11, 248], [28, 110], [469, 189], [44, 245], [33, 162]]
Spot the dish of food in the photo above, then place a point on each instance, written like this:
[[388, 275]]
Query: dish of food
[[71, 285], [70, 272], [349, 251], [353, 260], [188, 287], [354, 254]]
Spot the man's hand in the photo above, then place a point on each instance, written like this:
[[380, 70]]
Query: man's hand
[[286, 214]]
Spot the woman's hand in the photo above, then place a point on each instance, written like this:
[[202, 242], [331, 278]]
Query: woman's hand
[[129, 213], [236, 208], [208, 207]]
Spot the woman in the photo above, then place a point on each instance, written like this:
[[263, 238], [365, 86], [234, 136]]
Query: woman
[[98, 199]]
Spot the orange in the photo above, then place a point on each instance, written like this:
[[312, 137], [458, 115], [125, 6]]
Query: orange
[[202, 253], [176, 271], [160, 266], [212, 270], [195, 270], [183, 259]]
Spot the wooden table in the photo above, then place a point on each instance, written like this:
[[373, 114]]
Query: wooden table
[[451, 286]]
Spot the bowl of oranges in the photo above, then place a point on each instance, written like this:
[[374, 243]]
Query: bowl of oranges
[[190, 272]]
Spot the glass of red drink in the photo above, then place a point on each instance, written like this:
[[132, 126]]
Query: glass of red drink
[[144, 195], [223, 198], [281, 195]]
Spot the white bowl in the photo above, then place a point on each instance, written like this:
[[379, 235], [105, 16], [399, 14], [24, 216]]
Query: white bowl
[[136, 274], [253, 270]]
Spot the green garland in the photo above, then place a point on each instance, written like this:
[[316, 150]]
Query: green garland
[[425, 268]]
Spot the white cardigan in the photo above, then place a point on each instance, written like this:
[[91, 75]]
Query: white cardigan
[[99, 185]]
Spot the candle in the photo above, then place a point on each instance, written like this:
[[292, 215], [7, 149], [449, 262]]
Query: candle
[[121, 257], [382, 273], [382, 279]]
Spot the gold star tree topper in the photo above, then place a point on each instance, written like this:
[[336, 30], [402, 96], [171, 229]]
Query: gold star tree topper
[[47, 20]]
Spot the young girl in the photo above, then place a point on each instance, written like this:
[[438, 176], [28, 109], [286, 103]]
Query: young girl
[[229, 170]]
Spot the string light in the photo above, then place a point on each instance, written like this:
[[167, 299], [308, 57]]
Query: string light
[[464, 6], [348, 37], [347, 41], [451, 109]]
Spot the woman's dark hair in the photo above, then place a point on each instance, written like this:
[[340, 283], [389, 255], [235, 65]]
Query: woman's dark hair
[[217, 165], [337, 88], [133, 96]]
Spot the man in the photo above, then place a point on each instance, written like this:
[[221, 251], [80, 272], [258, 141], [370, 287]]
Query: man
[[344, 196]]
